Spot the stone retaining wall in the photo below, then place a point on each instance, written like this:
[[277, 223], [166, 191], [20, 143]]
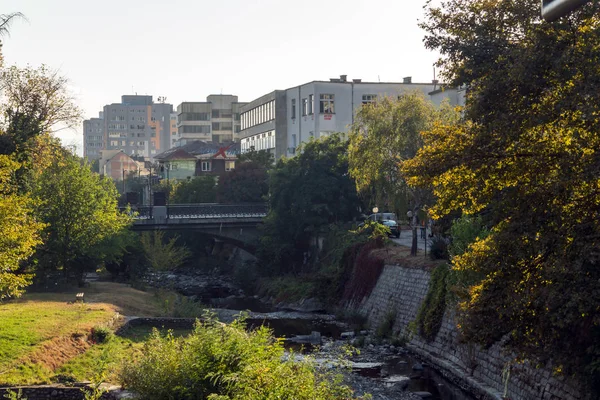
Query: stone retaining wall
[[55, 392], [401, 290]]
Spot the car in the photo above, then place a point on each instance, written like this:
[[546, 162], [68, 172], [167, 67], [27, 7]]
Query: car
[[393, 225]]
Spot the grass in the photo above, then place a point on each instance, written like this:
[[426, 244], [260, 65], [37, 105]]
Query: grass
[[43, 333]]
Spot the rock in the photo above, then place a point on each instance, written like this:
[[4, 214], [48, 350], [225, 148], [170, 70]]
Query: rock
[[400, 381], [311, 305], [347, 335], [371, 346], [54, 393], [417, 367], [424, 395], [313, 338], [392, 348]]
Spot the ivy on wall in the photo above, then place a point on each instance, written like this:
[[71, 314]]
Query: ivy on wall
[[431, 312]]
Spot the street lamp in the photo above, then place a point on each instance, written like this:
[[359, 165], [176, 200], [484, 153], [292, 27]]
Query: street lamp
[[554, 9]]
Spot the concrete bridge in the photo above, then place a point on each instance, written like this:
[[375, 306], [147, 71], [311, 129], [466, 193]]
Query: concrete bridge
[[231, 223]]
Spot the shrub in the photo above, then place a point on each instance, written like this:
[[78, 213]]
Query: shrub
[[439, 249], [367, 268], [220, 361], [430, 315], [101, 334], [386, 328]]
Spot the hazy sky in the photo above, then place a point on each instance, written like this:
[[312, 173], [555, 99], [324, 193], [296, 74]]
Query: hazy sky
[[188, 49]]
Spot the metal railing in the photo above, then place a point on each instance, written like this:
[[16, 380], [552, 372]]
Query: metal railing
[[204, 211]]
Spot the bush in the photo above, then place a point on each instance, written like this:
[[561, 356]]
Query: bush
[[365, 274], [439, 249], [220, 361], [430, 315], [101, 334], [386, 328]]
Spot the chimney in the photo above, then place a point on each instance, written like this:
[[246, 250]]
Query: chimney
[[408, 79], [343, 78], [357, 80]]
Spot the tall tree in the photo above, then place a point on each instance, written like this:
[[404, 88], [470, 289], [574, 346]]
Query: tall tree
[[384, 135], [20, 232], [247, 183], [527, 157], [80, 210], [306, 194]]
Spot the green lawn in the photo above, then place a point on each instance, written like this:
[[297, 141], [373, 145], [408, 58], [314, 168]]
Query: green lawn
[[42, 335]]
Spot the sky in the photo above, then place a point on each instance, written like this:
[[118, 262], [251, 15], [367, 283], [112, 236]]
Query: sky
[[187, 49]]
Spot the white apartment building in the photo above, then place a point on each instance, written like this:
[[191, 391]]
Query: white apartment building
[[282, 120]]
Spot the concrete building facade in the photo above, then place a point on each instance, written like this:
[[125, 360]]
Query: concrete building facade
[[93, 137], [138, 126], [282, 120], [216, 120]]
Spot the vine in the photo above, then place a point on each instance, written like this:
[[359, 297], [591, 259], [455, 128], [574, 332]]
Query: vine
[[430, 315]]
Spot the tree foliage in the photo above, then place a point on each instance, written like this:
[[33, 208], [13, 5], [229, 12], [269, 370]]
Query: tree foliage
[[163, 254], [201, 189], [383, 135], [528, 155], [264, 158], [247, 183], [306, 194], [20, 232], [80, 210]]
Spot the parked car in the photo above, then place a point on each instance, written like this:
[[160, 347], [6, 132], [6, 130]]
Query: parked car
[[393, 225]]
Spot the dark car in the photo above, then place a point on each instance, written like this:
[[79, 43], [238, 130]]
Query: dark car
[[394, 227]]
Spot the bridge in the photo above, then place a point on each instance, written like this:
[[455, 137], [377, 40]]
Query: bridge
[[231, 223]]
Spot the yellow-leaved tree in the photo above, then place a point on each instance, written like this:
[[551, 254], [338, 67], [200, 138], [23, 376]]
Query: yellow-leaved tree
[[20, 232]]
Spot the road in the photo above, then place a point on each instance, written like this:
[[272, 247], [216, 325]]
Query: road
[[405, 239]]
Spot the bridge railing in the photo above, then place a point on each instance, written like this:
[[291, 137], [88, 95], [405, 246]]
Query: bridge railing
[[216, 211], [203, 211]]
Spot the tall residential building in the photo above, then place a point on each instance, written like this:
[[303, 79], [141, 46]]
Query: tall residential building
[[138, 126], [93, 137], [282, 120], [216, 120]]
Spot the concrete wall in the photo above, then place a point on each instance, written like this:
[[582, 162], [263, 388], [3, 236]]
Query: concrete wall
[[402, 289]]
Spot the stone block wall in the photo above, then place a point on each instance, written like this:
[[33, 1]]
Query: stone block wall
[[55, 392], [401, 290]]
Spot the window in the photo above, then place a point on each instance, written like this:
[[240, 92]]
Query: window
[[311, 102], [293, 108], [205, 166], [229, 165], [215, 113], [326, 105], [195, 129], [304, 107], [216, 126], [369, 98]]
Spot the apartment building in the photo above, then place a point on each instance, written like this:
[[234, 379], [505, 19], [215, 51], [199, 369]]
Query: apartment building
[[137, 125], [282, 120], [216, 120], [93, 137]]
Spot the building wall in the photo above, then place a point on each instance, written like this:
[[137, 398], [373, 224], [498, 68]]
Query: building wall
[[401, 290], [216, 120], [348, 96], [93, 138], [121, 164], [138, 126]]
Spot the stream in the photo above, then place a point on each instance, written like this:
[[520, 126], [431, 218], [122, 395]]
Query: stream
[[386, 371]]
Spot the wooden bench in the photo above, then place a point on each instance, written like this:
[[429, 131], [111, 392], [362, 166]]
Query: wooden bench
[[79, 297]]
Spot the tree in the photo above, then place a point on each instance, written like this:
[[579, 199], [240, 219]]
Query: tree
[[36, 103], [163, 254], [20, 232], [80, 210], [306, 194], [527, 158], [382, 136], [247, 183], [6, 21], [263, 158], [201, 189]]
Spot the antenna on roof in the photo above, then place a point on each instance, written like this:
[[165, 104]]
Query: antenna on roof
[[378, 80]]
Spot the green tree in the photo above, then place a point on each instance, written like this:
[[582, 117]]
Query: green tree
[[163, 254], [385, 134], [527, 155], [306, 194], [201, 189], [20, 232], [247, 183], [80, 210], [263, 158]]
